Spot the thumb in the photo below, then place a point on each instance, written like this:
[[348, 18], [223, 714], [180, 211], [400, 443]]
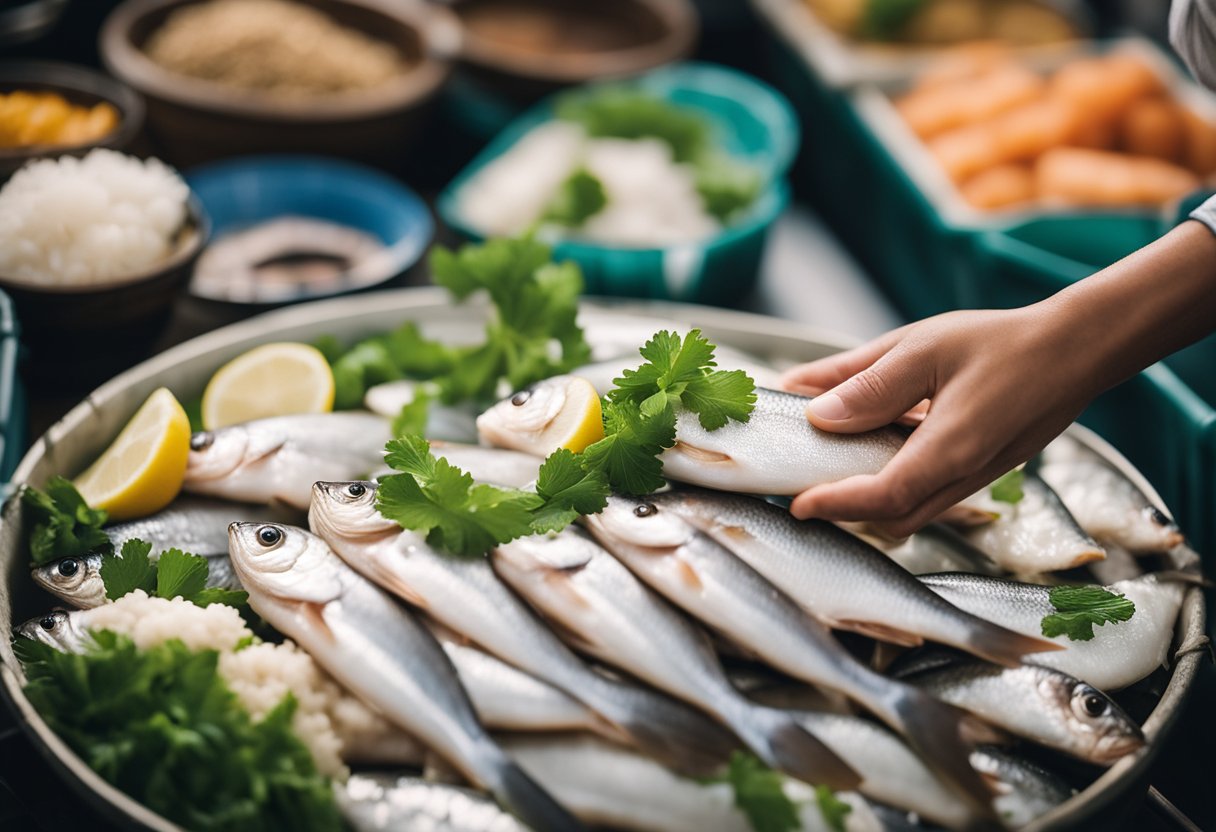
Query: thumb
[[876, 396]]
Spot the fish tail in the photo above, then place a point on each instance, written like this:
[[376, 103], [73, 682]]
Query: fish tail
[[1003, 646], [520, 795], [783, 744]]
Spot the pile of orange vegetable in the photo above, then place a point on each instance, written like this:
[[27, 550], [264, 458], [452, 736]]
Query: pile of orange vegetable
[[28, 119], [1100, 131]]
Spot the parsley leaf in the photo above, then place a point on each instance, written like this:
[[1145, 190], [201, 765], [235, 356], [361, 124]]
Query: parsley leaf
[[833, 809], [759, 794], [219, 595], [569, 490], [719, 397], [629, 452], [161, 725], [414, 414], [1008, 488], [580, 197], [63, 524], [726, 186], [180, 574], [623, 113], [1079, 608], [129, 571]]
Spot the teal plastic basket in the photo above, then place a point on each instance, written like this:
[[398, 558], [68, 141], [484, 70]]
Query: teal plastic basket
[[751, 121], [12, 395]]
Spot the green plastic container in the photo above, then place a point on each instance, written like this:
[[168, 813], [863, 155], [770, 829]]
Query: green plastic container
[[1164, 419], [12, 396], [751, 121]]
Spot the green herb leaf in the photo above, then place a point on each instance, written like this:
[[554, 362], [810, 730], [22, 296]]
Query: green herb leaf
[[63, 524], [129, 571], [726, 186], [759, 795], [1079, 608], [628, 455], [413, 416], [624, 113], [162, 726], [1008, 489], [219, 595], [178, 573], [365, 365], [833, 809], [418, 357], [578, 199], [568, 490], [719, 397]]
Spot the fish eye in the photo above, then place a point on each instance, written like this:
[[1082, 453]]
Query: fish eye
[[68, 567], [646, 510], [47, 622], [1092, 703], [521, 398], [269, 535], [1158, 516], [356, 489], [202, 440]]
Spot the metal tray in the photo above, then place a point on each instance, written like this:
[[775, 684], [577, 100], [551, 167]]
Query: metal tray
[[83, 432]]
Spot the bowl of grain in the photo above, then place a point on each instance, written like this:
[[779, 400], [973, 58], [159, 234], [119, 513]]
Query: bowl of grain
[[348, 78], [93, 252], [55, 109]]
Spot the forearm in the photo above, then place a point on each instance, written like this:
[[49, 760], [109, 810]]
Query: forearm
[[1141, 309]]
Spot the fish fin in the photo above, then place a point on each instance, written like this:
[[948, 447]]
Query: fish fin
[[314, 616], [880, 631], [1183, 576], [977, 732], [1003, 646], [701, 454], [885, 654], [558, 580], [400, 588], [784, 744], [966, 517], [688, 574], [523, 797], [1088, 555]]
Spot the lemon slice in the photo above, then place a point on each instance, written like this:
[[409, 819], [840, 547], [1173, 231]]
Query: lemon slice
[[142, 470], [581, 422], [270, 380]]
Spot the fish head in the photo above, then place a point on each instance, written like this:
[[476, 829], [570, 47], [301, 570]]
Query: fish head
[[214, 454], [565, 552], [284, 562], [344, 511], [530, 419], [1101, 729], [57, 628], [646, 522], [76, 580], [1152, 531]]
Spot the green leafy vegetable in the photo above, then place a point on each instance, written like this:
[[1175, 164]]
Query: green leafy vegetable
[[401, 353], [180, 574], [414, 414], [1008, 489], [1079, 608], [568, 490], [130, 571], [622, 113], [759, 794], [726, 186], [629, 452], [578, 199], [63, 524], [833, 809], [162, 726]]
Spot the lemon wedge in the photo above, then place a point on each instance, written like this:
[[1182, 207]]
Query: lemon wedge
[[271, 380], [142, 470], [581, 421]]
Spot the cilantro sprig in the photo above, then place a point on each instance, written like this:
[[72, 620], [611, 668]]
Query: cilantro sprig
[[1079, 608], [759, 794], [63, 524], [1008, 487], [580, 197], [175, 573]]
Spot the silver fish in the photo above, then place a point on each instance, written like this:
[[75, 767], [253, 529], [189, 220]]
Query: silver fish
[[64, 630], [392, 803], [776, 451], [707, 581], [381, 653], [935, 548], [1036, 534], [617, 619], [466, 596], [1107, 504], [452, 423], [613, 787], [1039, 704], [841, 580], [507, 699], [510, 469], [1027, 791], [278, 460], [1118, 655], [77, 580]]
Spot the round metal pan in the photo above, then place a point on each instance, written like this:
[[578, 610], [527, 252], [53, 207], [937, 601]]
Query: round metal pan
[[82, 433]]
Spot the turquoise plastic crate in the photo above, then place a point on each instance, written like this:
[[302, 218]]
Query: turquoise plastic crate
[[751, 121], [1164, 419], [12, 395]]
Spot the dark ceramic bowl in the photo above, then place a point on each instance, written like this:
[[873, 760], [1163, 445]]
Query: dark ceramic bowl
[[85, 87], [75, 336], [193, 120]]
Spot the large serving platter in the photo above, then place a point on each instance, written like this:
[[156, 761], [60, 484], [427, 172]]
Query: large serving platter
[[613, 328]]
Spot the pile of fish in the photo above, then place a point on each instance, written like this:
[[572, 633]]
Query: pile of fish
[[596, 676]]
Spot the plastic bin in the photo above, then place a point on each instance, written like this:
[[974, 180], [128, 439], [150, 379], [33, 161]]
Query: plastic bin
[[12, 395], [751, 121]]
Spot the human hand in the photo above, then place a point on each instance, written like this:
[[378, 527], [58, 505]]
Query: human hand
[[1000, 385]]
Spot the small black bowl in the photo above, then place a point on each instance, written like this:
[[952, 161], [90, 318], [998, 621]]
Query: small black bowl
[[81, 86]]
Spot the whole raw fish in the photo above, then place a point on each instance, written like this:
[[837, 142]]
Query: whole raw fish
[[381, 653], [466, 596], [609, 614], [708, 582], [776, 451], [376, 802], [1029, 791], [839, 579], [935, 548], [1118, 654], [453, 423], [278, 460], [64, 630]]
